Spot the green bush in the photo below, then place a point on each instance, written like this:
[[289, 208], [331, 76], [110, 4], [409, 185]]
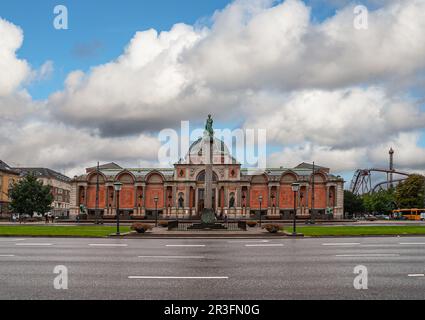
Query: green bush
[[272, 228], [163, 224], [251, 224], [141, 227]]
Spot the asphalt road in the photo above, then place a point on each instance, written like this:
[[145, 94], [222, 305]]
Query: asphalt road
[[206, 269]]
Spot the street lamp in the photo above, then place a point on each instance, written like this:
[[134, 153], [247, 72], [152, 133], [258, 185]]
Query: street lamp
[[117, 187], [260, 199], [156, 210], [295, 189]]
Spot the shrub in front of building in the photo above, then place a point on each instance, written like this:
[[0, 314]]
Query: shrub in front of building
[[141, 227]]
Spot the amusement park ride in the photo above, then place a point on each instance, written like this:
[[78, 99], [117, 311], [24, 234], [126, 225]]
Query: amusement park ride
[[365, 180]]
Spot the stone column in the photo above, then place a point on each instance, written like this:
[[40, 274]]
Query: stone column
[[208, 141]]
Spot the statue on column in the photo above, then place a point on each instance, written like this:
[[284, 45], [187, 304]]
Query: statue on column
[[209, 126]]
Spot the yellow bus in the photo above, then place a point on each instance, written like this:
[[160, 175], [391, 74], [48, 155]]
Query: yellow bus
[[409, 214]]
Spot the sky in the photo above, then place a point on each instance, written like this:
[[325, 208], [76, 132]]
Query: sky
[[103, 89]]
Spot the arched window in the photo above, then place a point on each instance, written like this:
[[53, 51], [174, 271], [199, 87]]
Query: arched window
[[201, 177]]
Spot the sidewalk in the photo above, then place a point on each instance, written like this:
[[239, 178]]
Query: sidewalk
[[159, 233]]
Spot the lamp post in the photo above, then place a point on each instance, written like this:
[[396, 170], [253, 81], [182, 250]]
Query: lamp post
[[260, 199], [295, 189], [117, 187], [156, 210]]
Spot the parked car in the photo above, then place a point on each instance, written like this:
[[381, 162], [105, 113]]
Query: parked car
[[370, 217], [382, 217]]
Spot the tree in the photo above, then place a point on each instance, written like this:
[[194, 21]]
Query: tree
[[410, 193], [381, 202], [30, 196], [352, 203]]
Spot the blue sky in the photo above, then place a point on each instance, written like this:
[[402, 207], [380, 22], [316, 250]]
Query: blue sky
[[98, 30], [356, 133]]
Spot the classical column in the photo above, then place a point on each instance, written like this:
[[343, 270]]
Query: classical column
[[269, 202], [196, 201], [327, 197]]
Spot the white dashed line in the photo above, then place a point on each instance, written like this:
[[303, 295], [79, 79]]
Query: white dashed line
[[367, 255], [11, 240], [172, 257], [107, 245], [341, 244], [248, 241], [417, 275], [6, 255], [412, 243], [177, 278], [34, 244], [185, 245], [264, 245]]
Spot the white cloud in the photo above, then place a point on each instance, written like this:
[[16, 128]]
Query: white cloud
[[324, 90], [341, 119], [13, 71]]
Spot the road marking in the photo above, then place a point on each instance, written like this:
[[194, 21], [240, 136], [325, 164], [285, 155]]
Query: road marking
[[264, 245], [107, 245], [379, 245], [6, 255], [248, 241], [367, 255], [177, 278], [172, 257], [34, 244], [185, 245], [11, 240], [412, 243], [416, 275], [341, 244]]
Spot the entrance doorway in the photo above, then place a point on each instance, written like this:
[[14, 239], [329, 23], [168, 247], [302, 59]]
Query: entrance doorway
[[201, 200]]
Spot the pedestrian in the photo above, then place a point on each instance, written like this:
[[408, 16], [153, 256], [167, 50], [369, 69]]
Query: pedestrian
[[46, 217], [14, 218]]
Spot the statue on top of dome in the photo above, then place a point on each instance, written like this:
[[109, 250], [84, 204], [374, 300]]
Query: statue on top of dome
[[209, 126]]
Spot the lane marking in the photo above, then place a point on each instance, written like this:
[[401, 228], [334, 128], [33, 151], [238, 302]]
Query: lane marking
[[6, 255], [379, 245], [249, 241], [177, 278], [416, 275], [172, 257], [412, 243], [11, 240], [185, 245], [107, 245], [368, 255], [341, 244], [34, 244], [264, 245]]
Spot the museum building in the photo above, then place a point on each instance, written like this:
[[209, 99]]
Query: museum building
[[180, 191]]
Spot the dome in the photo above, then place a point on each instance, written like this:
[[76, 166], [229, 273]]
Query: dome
[[221, 153], [219, 147]]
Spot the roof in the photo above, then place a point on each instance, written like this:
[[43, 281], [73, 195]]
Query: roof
[[43, 173], [309, 166], [106, 166], [6, 168]]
